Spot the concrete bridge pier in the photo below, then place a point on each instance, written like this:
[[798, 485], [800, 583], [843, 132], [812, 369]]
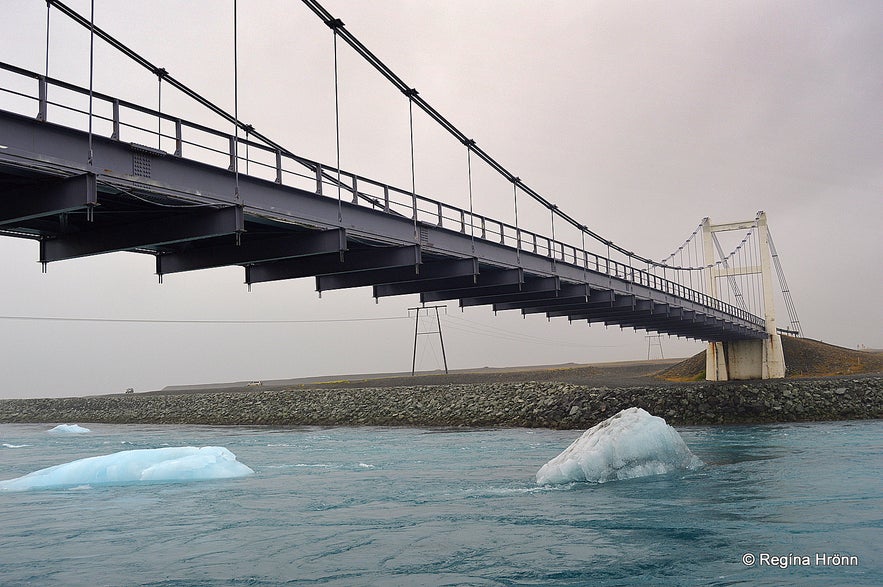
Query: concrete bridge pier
[[745, 359]]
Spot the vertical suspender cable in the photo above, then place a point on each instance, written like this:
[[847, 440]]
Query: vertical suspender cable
[[43, 91], [582, 232], [692, 265], [609, 276], [48, 10], [236, 102], [746, 284], [337, 129], [159, 112], [552, 242], [91, 72], [517, 230], [681, 265], [471, 214], [758, 281], [413, 167]]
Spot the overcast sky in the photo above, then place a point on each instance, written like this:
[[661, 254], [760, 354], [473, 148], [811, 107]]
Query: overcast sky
[[636, 118]]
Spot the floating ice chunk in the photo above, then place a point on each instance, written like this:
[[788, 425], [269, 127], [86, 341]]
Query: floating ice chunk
[[630, 444], [7, 445], [69, 429], [177, 463]]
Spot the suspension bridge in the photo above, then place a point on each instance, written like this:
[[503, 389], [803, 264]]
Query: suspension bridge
[[87, 173]]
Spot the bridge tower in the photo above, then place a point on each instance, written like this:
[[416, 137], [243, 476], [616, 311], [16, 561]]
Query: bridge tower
[[744, 359]]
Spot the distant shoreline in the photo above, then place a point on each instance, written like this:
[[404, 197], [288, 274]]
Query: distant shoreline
[[531, 404]]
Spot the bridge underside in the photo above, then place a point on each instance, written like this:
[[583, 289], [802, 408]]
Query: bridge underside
[[189, 216]]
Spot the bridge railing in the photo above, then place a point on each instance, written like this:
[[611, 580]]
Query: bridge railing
[[126, 121]]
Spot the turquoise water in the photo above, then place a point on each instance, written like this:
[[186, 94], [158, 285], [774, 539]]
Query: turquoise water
[[380, 506]]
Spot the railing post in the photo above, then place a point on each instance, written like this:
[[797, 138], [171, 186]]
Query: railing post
[[179, 141], [355, 190], [534, 243], [439, 214], [462, 222], [232, 154], [43, 92], [414, 206], [518, 239], [278, 166], [386, 199], [483, 229], [319, 179], [115, 134]]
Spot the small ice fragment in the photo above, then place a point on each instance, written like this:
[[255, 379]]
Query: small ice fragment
[[179, 463], [69, 429]]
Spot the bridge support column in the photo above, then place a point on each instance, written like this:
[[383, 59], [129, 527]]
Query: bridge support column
[[745, 359]]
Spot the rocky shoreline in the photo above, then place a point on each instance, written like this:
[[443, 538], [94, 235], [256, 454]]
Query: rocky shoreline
[[523, 404]]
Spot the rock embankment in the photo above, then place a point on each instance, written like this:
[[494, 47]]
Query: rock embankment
[[530, 404]]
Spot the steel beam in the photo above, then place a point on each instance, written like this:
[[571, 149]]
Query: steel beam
[[460, 273], [252, 250], [173, 228], [453, 270], [640, 309], [358, 263], [534, 289], [597, 300], [47, 198], [506, 281], [623, 305], [569, 293]]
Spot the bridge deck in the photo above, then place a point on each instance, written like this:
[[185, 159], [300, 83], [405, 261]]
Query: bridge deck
[[188, 214]]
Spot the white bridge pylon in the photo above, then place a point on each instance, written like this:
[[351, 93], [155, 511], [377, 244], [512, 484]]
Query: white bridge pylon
[[744, 359]]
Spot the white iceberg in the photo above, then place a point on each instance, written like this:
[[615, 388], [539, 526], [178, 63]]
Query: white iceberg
[[632, 443], [69, 429], [176, 463]]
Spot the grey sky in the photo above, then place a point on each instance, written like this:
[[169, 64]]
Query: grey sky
[[638, 118]]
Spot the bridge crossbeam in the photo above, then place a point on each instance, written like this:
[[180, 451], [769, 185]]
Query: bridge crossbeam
[[433, 276], [490, 283], [252, 248], [342, 268], [151, 232], [48, 198], [531, 289]]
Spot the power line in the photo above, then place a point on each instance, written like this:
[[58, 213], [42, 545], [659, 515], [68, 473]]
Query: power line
[[191, 321], [472, 327]]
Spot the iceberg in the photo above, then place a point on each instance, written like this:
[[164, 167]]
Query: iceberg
[[632, 443], [176, 463], [69, 429]]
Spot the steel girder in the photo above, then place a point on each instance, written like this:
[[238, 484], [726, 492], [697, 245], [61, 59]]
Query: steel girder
[[51, 197], [359, 264], [488, 282], [253, 249], [174, 228], [531, 289]]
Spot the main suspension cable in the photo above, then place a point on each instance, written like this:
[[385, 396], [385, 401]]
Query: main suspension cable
[[391, 76]]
